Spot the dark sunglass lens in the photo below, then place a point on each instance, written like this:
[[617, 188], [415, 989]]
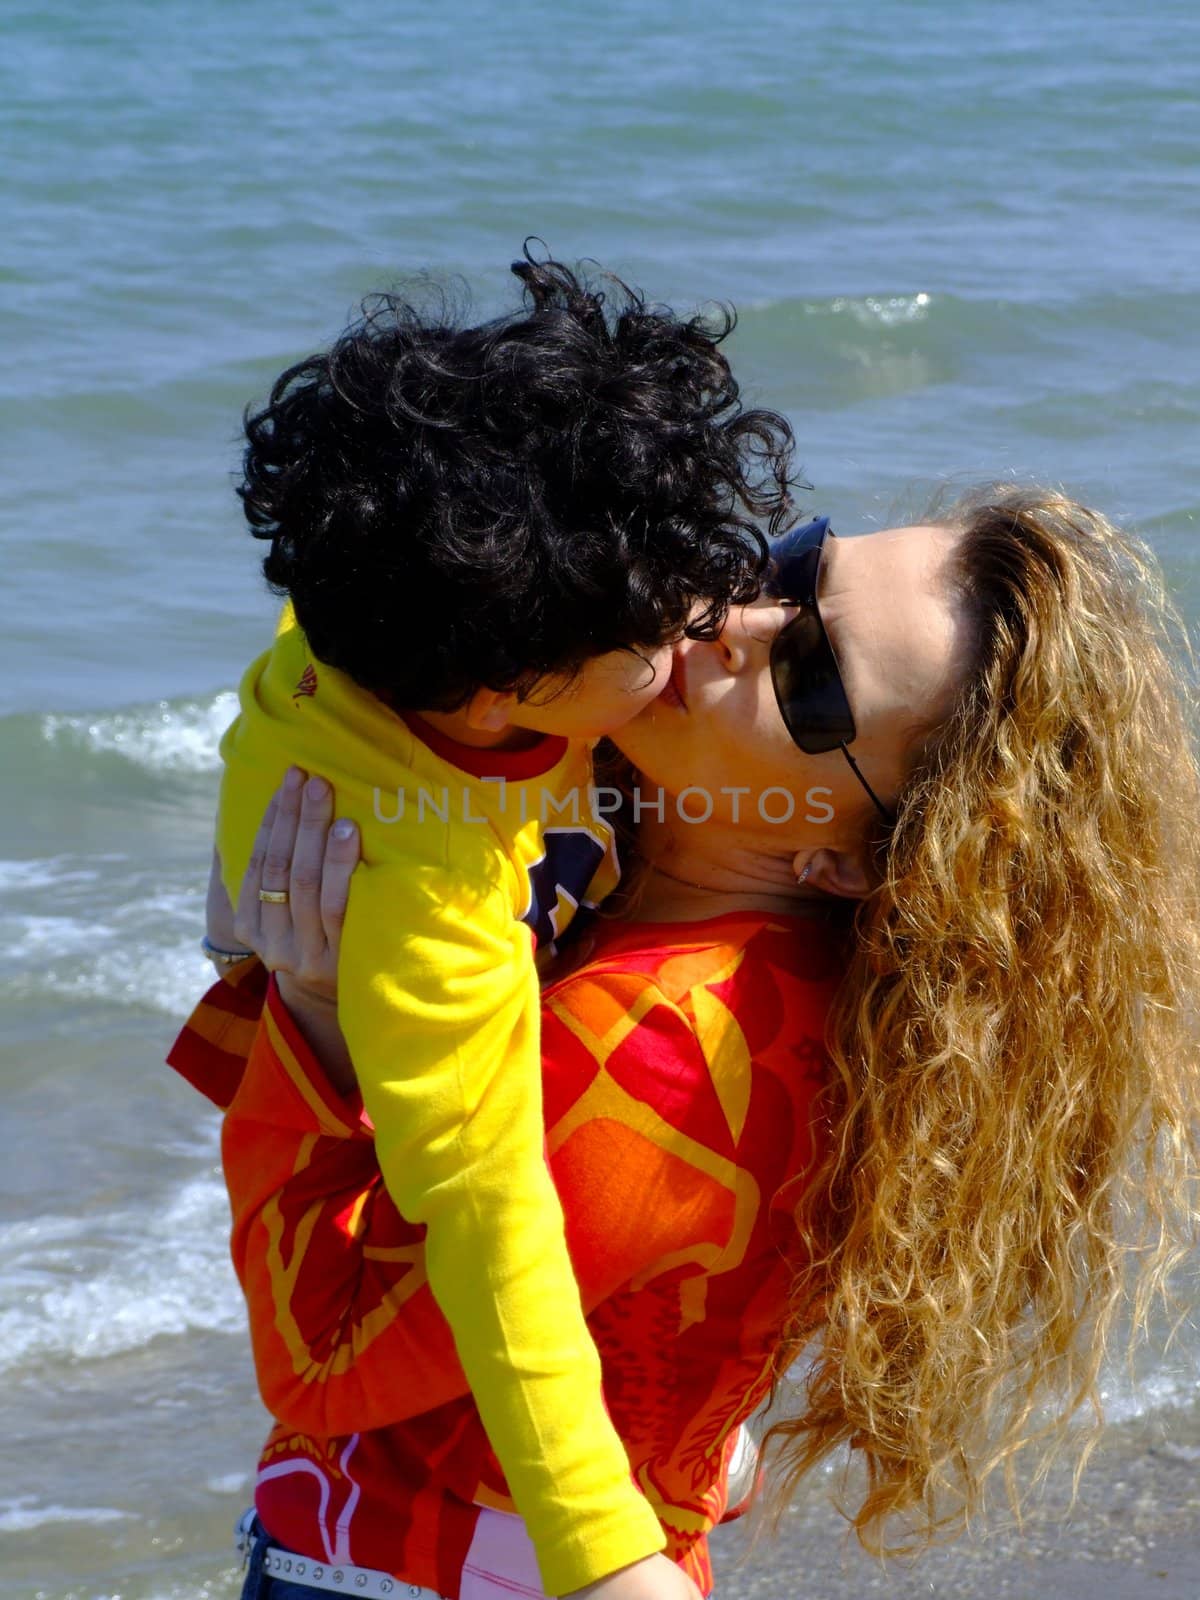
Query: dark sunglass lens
[[808, 685]]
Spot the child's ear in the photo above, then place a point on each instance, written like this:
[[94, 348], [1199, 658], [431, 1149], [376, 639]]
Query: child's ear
[[487, 711]]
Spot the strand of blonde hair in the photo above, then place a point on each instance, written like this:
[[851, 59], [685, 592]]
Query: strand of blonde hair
[[1015, 1051]]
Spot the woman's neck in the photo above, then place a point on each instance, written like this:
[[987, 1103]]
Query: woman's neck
[[661, 897], [683, 881]]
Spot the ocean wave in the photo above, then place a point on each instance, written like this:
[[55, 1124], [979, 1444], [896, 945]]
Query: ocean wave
[[23, 1514], [1167, 1386], [83, 1289], [93, 944], [180, 736], [849, 347], [54, 872], [888, 311], [229, 1483], [168, 980], [867, 311]]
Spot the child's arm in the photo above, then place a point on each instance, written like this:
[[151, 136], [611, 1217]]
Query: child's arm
[[441, 1007]]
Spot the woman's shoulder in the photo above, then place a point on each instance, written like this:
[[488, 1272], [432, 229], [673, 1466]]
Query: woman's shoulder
[[762, 970], [696, 1021], [675, 953]]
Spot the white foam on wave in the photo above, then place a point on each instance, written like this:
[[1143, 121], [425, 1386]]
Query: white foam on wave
[[888, 311], [33, 939], [1166, 1388], [1160, 1382], [23, 1514], [167, 737], [87, 1288], [169, 980], [868, 311], [115, 933], [228, 1483], [54, 872]]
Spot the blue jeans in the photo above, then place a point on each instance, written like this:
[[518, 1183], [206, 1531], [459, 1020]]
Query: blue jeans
[[260, 1585]]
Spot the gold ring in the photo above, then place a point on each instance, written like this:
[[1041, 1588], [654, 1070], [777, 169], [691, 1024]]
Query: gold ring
[[274, 897]]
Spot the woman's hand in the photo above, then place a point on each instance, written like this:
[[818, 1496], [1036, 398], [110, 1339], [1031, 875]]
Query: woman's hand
[[299, 853], [220, 941], [299, 850]]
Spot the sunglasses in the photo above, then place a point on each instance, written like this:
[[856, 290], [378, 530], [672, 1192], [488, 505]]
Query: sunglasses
[[804, 670]]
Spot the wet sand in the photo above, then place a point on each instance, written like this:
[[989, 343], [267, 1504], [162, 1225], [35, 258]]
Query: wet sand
[[1134, 1531]]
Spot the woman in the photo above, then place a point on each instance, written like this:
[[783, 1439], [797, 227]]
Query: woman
[[906, 1148]]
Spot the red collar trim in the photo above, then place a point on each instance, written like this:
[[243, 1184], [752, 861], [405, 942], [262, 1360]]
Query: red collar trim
[[513, 764]]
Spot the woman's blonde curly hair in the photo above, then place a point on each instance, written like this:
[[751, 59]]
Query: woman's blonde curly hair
[[1015, 1045]]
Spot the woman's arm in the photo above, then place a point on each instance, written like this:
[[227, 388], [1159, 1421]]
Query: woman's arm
[[347, 1334], [220, 941]]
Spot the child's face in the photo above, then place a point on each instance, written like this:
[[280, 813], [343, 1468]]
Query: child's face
[[609, 691]]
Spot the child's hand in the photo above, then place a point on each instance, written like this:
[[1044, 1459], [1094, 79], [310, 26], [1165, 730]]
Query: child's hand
[[653, 1578]]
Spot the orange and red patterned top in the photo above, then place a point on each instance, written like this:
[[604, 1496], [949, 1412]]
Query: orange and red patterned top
[[681, 1066]]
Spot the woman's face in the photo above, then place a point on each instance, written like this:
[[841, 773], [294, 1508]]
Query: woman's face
[[899, 640]]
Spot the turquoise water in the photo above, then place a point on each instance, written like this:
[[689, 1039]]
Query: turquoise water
[[962, 241]]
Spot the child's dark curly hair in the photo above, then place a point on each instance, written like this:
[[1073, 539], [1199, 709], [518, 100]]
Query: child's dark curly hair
[[453, 507]]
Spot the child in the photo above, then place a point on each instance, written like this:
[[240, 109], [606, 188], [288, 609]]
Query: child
[[490, 537]]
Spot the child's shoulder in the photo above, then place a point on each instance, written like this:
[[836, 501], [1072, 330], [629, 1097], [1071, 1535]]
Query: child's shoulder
[[293, 676]]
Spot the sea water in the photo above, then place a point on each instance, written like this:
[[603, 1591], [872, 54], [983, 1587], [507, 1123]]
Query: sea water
[[962, 242]]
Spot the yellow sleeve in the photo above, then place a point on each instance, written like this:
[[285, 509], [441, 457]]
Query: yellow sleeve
[[439, 1001]]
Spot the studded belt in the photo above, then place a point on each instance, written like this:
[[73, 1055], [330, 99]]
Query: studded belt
[[329, 1577]]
